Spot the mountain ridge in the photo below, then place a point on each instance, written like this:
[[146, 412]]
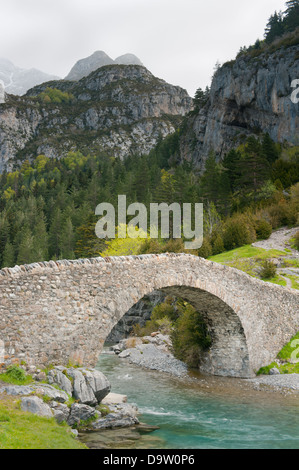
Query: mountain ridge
[[98, 59], [118, 109], [18, 81]]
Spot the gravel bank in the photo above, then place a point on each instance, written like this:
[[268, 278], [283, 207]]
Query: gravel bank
[[285, 382], [152, 353]]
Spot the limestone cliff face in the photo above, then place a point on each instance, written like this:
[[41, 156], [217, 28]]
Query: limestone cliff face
[[248, 96], [117, 109]]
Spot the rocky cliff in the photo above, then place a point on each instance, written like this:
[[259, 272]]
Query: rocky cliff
[[119, 109], [249, 95]]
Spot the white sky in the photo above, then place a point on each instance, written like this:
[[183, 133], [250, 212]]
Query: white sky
[[179, 41]]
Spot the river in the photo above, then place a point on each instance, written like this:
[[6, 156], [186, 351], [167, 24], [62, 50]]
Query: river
[[201, 413]]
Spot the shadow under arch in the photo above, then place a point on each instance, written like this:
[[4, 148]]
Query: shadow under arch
[[228, 355]]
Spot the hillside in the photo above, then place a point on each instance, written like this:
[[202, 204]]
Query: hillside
[[249, 96], [119, 109]]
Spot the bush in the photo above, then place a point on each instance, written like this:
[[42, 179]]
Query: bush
[[15, 375], [296, 243], [205, 251], [217, 244], [238, 231], [282, 214], [263, 229], [190, 336], [53, 95], [268, 270]]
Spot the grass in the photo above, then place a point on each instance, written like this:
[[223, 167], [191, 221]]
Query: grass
[[277, 280], [247, 251], [249, 259], [283, 369], [285, 355], [286, 352], [15, 375], [23, 430]]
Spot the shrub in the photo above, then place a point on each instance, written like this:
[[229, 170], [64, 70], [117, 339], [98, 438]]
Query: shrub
[[217, 245], [238, 231], [263, 229], [53, 95], [190, 336], [205, 251], [15, 375], [296, 242], [282, 214], [268, 270]]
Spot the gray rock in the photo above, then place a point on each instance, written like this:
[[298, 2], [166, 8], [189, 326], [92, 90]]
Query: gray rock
[[81, 413], [247, 95], [112, 422], [40, 377], [16, 390], [85, 66], [60, 411], [97, 382], [56, 376], [51, 392], [137, 315], [124, 354], [36, 406], [153, 357], [82, 391], [274, 371]]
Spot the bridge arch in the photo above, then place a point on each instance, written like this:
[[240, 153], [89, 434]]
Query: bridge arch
[[53, 312]]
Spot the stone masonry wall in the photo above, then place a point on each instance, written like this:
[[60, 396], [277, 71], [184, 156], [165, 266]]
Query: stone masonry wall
[[53, 312]]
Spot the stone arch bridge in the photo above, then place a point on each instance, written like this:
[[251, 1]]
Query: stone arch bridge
[[56, 312]]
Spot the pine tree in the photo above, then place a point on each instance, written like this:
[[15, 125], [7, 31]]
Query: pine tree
[[254, 169], [274, 28], [40, 239], [8, 255], [66, 242], [55, 234], [291, 20], [25, 254], [269, 149]]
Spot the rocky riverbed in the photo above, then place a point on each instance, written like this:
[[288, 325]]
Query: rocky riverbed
[[154, 353], [151, 352]]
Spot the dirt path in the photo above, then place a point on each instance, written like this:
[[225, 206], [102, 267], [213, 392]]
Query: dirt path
[[279, 240]]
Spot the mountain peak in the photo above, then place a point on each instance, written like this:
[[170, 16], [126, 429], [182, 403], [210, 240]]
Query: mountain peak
[[98, 59], [128, 59]]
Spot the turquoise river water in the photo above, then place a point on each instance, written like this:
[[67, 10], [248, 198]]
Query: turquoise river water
[[200, 413]]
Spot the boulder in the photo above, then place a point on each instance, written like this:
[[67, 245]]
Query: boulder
[[121, 415], [82, 391], [36, 406], [59, 378], [51, 392], [274, 371], [60, 411], [114, 398], [81, 413], [97, 382]]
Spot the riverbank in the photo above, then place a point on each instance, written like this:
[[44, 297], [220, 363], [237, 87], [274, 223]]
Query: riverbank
[[65, 402], [154, 353]]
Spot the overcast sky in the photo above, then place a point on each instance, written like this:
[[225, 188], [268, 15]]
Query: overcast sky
[[179, 41]]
